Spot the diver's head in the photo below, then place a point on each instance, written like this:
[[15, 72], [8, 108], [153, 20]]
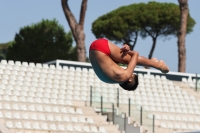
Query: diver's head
[[131, 84]]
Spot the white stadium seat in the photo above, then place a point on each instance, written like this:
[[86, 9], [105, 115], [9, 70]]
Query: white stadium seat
[[61, 127], [70, 128], [82, 120], [44, 126], [52, 127], [102, 130], [18, 124], [66, 119], [41, 117], [86, 129], [9, 124], [36, 126], [94, 129]]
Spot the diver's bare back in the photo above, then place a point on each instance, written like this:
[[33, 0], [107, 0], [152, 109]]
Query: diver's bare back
[[104, 67]]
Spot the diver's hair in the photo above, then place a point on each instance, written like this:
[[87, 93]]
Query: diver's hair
[[130, 86]]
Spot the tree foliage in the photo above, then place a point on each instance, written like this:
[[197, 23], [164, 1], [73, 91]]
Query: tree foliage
[[152, 19], [161, 20], [4, 49], [41, 42], [118, 25]]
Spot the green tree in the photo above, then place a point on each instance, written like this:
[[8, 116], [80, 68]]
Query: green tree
[[160, 20], [119, 26], [4, 49], [152, 19], [41, 42]]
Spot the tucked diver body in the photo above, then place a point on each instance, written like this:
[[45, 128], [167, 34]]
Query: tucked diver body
[[104, 55], [105, 68]]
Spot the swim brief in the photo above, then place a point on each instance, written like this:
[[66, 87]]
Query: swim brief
[[101, 45]]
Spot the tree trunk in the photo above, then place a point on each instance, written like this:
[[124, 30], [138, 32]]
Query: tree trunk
[[77, 29], [128, 41], [80, 44], [152, 48], [135, 40], [183, 4]]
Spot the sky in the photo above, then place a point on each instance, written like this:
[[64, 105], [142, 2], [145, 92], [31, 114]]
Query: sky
[[15, 15]]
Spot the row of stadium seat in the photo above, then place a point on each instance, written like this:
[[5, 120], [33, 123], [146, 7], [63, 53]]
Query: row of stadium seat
[[179, 105], [43, 100], [40, 77], [163, 102], [153, 81], [50, 94], [77, 69], [49, 79], [142, 95], [40, 108], [46, 117], [157, 77], [33, 65], [159, 88], [170, 102], [46, 68], [172, 110], [165, 88], [189, 80], [192, 82], [53, 93], [45, 73], [180, 126], [55, 88], [58, 82], [76, 80], [36, 75], [53, 84], [146, 100], [178, 118], [28, 85], [54, 127]]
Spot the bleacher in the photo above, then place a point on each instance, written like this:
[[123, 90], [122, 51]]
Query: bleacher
[[174, 108], [54, 97], [192, 82], [41, 99]]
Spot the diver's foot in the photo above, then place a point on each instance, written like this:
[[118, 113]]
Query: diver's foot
[[163, 67]]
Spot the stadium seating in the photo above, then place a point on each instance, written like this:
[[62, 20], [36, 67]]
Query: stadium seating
[[192, 82], [42, 98]]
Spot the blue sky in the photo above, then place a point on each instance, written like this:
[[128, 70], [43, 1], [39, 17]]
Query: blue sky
[[15, 15]]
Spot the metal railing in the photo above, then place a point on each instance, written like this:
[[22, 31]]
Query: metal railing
[[138, 115]]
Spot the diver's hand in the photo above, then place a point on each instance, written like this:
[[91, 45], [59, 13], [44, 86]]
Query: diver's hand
[[125, 48]]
